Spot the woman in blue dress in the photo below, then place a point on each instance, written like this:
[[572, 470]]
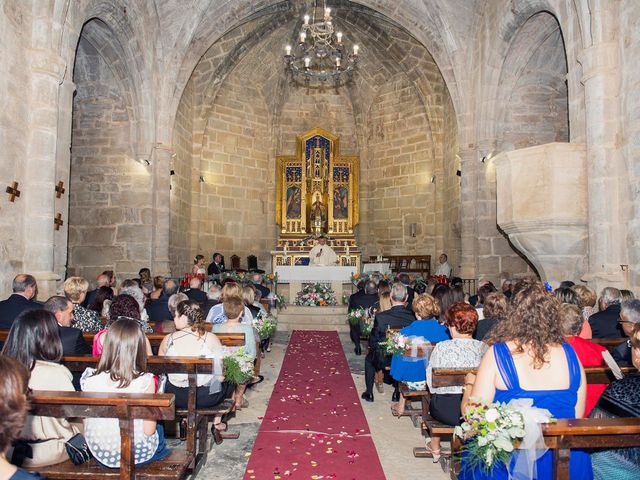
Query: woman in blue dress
[[407, 369], [529, 359]]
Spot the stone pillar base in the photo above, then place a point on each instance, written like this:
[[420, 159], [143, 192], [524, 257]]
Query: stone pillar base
[[47, 284]]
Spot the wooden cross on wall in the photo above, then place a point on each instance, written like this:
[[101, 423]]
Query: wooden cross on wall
[[58, 221], [60, 189], [13, 192]]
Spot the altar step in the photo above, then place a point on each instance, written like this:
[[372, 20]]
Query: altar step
[[313, 318]]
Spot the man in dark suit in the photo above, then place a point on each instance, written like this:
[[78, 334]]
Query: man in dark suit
[[397, 317], [605, 323], [365, 297], [158, 310], [217, 266], [256, 279], [195, 292], [103, 280], [629, 318], [404, 278], [24, 290], [72, 340]]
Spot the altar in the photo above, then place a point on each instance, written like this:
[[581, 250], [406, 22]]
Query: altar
[[291, 278]]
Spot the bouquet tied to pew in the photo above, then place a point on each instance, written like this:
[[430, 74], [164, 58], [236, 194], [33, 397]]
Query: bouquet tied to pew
[[238, 367], [367, 326], [398, 344], [265, 324], [356, 316], [494, 432]]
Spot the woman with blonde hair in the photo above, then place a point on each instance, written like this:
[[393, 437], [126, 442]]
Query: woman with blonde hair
[[587, 299], [412, 370], [75, 289]]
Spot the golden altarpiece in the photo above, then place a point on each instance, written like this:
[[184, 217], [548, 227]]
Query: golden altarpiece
[[317, 193]]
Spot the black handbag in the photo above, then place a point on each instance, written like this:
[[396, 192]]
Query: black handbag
[[77, 449]]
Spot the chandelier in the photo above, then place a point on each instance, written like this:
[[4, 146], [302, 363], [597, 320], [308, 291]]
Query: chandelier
[[321, 57]]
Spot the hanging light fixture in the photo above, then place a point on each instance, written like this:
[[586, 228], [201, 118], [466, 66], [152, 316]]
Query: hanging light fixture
[[321, 57]]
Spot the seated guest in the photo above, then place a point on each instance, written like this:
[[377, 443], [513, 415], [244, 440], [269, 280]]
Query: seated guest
[[419, 288], [605, 323], [158, 283], [566, 295], [397, 316], [366, 297], [256, 280], [217, 266], [495, 309], [194, 292], [34, 342], [102, 281], [13, 411], [529, 358], [191, 339], [461, 351], [629, 318], [507, 288], [145, 281], [136, 292], [626, 296], [215, 292], [473, 299], [411, 370], [234, 308], [406, 281], [589, 353], [24, 290], [620, 400], [111, 274], [174, 300], [249, 296], [586, 302], [482, 297], [158, 309], [102, 301], [217, 313], [124, 306], [72, 340], [257, 303], [75, 289], [122, 369]]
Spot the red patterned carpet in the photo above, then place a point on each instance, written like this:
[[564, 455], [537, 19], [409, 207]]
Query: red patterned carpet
[[314, 427]]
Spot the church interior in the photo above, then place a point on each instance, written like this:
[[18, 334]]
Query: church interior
[[146, 133]]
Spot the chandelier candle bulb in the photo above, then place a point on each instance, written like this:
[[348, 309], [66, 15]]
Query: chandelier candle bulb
[[339, 36], [337, 61], [288, 49], [327, 13], [307, 62], [355, 49], [306, 19], [303, 37]]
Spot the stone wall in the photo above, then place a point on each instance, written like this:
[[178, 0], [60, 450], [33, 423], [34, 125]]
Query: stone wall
[[110, 217], [397, 170], [14, 112]]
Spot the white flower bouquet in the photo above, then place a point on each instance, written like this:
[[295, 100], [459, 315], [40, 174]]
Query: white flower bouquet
[[237, 367], [265, 324], [367, 326], [355, 316], [315, 295]]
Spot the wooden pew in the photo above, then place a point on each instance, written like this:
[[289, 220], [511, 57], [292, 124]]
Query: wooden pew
[[197, 418], [609, 343], [126, 407]]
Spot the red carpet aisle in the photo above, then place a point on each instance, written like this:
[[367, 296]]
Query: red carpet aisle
[[314, 427]]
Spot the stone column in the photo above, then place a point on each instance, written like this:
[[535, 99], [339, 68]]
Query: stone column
[[47, 71], [601, 79], [468, 224], [161, 210]]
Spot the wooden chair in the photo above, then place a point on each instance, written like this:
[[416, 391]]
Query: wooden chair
[[235, 263], [126, 407]]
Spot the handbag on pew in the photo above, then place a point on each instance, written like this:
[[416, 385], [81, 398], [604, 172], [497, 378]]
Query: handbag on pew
[[77, 449]]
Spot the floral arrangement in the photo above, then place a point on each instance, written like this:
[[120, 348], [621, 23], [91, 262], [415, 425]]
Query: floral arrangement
[[316, 295], [271, 278], [265, 324], [491, 433], [367, 326], [279, 301], [357, 277], [395, 344], [345, 299], [355, 316], [237, 367]]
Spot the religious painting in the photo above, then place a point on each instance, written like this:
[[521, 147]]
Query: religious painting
[[294, 202], [340, 203]]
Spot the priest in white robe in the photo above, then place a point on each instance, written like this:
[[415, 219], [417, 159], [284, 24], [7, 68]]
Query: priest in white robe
[[322, 254]]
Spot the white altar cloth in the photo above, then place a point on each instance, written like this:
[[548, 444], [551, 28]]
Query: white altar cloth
[[305, 274], [376, 267]]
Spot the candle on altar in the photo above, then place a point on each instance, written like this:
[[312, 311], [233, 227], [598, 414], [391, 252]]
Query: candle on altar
[[285, 249], [347, 249]]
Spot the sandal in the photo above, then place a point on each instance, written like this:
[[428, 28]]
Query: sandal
[[256, 380], [380, 387], [435, 454], [395, 410]]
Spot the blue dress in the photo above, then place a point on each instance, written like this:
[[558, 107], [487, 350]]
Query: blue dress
[[561, 404], [406, 369]]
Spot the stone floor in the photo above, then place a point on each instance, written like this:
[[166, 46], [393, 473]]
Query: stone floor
[[394, 438]]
